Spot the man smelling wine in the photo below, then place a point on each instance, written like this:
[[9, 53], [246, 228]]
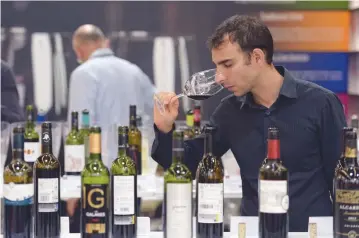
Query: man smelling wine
[[309, 118]]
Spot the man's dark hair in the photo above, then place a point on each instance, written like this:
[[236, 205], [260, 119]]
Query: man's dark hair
[[249, 32]]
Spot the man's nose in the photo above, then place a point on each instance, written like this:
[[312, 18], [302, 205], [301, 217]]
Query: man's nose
[[220, 78]]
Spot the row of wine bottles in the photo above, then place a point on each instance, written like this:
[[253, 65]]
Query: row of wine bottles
[[76, 149]]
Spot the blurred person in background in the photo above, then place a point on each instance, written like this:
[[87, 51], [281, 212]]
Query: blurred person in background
[[106, 86], [10, 105], [309, 118]]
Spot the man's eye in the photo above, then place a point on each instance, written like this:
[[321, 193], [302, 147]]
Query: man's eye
[[227, 65]]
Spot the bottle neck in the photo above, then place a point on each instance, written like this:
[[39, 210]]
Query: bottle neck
[[177, 151], [74, 123], [351, 153], [95, 146], [133, 122], [208, 144], [30, 119], [197, 117], [273, 149], [122, 145], [46, 141], [85, 121], [18, 147]]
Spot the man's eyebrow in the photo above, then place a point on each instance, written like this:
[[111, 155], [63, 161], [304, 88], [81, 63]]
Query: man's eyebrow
[[224, 61]]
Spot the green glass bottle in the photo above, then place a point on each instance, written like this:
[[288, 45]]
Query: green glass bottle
[[188, 133], [135, 137], [123, 188], [95, 179], [197, 120], [32, 148], [18, 190], [74, 148], [85, 132], [178, 193]]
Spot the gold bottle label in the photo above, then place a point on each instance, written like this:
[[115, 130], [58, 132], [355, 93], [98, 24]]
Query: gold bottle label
[[350, 152]]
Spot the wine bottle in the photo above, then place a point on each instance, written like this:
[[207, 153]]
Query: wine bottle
[[355, 121], [74, 148], [135, 146], [210, 191], [346, 208], [178, 193], [124, 190], [197, 120], [273, 191], [47, 172], [18, 191], [85, 132], [134, 137], [95, 179], [188, 133], [341, 161], [32, 141]]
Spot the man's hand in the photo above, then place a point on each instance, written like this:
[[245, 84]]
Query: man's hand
[[164, 122], [71, 205]]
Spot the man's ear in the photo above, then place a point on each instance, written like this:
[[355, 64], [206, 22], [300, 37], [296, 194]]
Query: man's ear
[[258, 56]]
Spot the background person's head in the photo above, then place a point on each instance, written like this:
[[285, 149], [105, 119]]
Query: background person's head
[[86, 39], [242, 49]]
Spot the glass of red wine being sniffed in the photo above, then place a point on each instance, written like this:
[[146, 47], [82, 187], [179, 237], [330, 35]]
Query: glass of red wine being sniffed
[[199, 86]]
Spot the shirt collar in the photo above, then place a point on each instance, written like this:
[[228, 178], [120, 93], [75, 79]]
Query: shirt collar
[[102, 52], [288, 89]]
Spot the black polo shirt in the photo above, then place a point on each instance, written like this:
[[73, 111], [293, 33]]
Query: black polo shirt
[[309, 118]]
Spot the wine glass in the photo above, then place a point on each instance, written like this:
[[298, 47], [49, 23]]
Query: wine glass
[[199, 86]]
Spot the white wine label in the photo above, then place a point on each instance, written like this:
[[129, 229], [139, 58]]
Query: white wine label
[[18, 194], [48, 190], [31, 151], [210, 202], [124, 220], [74, 158], [273, 196], [179, 210], [124, 195]]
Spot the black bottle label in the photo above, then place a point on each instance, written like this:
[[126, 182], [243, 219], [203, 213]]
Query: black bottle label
[[94, 209], [347, 213]]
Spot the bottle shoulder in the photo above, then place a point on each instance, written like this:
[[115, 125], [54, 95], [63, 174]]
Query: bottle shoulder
[[47, 161], [74, 138], [177, 172], [123, 166], [17, 168], [95, 168]]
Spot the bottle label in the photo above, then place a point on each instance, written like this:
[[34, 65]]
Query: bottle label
[[273, 196], [31, 151], [18, 194], [94, 210], [135, 154], [48, 194], [124, 195], [197, 115], [179, 210], [347, 213], [74, 158], [210, 202]]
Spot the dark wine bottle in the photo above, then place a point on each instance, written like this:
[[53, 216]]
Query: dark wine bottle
[[95, 179], [210, 192], [177, 220], [18, 191], [273, 191], [124, 190], [135, 146], [346, 202], [341, 161], [47, 172]]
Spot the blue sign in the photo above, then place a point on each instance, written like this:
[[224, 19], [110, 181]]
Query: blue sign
[[329, 70]]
